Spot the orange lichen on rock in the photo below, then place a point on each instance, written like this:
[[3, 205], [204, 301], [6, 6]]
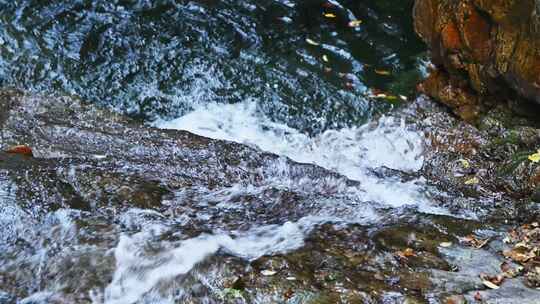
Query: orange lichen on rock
[[450, 37]]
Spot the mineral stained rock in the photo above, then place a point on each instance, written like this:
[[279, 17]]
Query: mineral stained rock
[[484, 51]]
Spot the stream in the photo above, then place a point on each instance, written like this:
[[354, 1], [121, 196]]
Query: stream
[[311, 208]]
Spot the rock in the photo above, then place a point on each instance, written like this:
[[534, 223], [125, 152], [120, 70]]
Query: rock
[[484, 51]]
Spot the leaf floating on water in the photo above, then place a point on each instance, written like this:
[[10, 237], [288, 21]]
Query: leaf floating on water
[[355, 23], [329, 15], [472, 181], [325, 58], [490, 285], [312, 42], [268, 273], [20, 149], [535, 157], [382, 72]]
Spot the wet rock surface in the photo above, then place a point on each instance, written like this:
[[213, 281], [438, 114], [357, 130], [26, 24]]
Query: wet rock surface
[[105, 205], [486, 52]]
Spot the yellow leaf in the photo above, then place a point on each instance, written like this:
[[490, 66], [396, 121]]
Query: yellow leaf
[[329, 15], [465, 163], [325, 58], [472, 181], [355, 23], [382, 72], [312, 42], [391, 97], [535, 157]]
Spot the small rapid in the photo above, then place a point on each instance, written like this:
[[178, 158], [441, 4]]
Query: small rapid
[[354, 152], [308, 92]]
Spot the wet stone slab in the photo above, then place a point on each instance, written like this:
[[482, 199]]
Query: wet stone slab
[[110, 211]]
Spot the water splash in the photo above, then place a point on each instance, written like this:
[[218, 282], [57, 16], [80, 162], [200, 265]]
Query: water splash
[[353, 152]]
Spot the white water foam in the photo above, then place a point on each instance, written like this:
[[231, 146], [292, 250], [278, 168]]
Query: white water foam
[[139, 273], [353, 152]]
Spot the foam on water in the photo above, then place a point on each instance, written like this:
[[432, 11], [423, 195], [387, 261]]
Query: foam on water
[[353, 152], [138, 273]]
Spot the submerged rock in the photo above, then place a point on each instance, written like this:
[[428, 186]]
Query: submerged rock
[[111, 211]]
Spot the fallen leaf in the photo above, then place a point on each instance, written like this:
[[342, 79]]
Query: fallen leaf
[[290, 278], [464, 163], [473, 241], [288, 294], [405, 254], [472, 181], [268, 273], [382, 72], [490, 285], [535, 157], [329, 15], [481, 244], [20, 149], [409, 252], [478, 296], [518, 255], [325, 58], [355, 23], [496, 280], [312, 42]]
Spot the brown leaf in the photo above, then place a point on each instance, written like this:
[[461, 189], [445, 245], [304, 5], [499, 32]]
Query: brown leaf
[[519, 256], [473, 241], [20, 149], [405, 254], [288, 294], [478, 296]]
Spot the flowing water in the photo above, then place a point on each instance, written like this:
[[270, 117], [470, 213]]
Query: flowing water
[[301, 79]]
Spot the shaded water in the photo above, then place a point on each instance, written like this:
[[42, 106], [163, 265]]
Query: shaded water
[[161, 58], [287, 77]]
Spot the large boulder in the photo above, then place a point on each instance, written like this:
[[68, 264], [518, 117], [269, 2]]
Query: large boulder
[[484, 51]]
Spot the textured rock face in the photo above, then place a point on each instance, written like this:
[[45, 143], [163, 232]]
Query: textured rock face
[[484, 50]]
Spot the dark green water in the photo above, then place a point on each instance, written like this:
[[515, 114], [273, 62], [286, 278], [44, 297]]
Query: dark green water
[[160, 58]]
